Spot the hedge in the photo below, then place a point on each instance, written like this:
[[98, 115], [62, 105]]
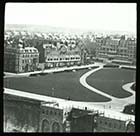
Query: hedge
[[131, 68]]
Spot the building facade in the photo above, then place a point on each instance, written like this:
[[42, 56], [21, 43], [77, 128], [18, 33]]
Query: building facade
[[20, 114], [120, 50], [108, 124], [51, 119], [61, 55], [93, 121], [29, 115], [20, 59]]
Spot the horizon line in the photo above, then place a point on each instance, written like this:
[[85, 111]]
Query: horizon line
[[84, 29]]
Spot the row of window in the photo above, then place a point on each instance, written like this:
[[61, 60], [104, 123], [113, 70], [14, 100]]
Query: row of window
[[123, 54], [112, 124], [27, 61], [29, 51], [50, 112], [119, 52], [72, 58], [108, 49], [29, 55]]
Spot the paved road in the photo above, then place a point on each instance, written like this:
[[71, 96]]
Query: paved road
[[8, 74], [115, 103]]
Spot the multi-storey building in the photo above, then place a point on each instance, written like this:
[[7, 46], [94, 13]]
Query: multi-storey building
[[108, 48], [20, 59], [61, 55], [99, 41], [117, 49], [131, 43]]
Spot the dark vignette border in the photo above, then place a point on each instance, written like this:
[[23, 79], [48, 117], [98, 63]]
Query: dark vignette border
[[2, 13]]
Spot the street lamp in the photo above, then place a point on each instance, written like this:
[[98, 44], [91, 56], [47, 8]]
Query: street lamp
[[52, 91], [122, 82]]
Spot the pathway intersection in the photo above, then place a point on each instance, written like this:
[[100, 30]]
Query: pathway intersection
[[109, 108]]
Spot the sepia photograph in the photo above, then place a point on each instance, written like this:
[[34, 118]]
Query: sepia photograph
[[69, 67]]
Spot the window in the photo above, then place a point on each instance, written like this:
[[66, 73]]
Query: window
[[109, 124], [43, 111], [115, 125], [51, 112], [120, 126], [47, 112], [59, 113]]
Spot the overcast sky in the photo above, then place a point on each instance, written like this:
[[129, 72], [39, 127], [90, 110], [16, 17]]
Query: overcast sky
[[97, 16]]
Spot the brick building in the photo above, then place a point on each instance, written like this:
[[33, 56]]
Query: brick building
[[20, 59], [120, 50], [61, 55], [51, 119]]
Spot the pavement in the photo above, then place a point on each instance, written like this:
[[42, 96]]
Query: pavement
[[8, 74], [117, 104]]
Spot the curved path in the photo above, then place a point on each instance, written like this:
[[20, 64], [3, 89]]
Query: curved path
[[115, 103], [105, 107]]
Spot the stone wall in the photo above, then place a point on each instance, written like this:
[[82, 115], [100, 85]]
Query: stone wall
[[20, 114]]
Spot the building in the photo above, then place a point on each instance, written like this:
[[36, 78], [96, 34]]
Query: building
[[108, 48], [61, 55], [20, 114], [29, 115], [131, 43], [109, 124], [119, 50], [20, 59], [81, 120], [51, 118], [95, 121]]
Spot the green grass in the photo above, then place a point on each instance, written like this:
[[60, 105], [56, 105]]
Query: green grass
[[65, 84], [111, 81]]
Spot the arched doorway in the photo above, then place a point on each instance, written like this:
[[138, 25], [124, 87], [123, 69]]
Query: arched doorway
[[45, 126], [55, 127]]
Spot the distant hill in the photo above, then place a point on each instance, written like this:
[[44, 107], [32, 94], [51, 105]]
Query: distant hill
[[42, 28], [45, 28]]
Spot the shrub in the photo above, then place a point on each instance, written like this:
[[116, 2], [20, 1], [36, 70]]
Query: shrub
[[131, 68], [111, 65], [129, 109]]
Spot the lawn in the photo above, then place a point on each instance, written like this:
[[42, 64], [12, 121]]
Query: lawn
[[61, 85], [66, 84], [111, 81]]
